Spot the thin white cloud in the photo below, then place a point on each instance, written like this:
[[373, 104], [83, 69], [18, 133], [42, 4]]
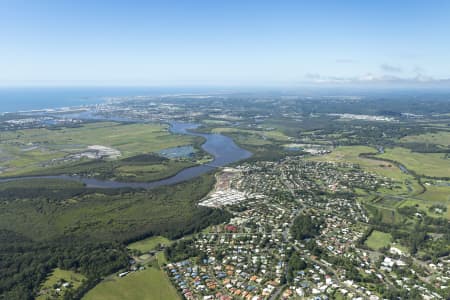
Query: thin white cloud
[[371, 78], [418, 70], [391, 68]]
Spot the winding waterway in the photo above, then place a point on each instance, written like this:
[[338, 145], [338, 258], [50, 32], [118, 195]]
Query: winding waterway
[[222, 148]]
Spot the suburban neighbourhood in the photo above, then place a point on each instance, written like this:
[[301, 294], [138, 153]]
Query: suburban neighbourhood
[[251, 257]]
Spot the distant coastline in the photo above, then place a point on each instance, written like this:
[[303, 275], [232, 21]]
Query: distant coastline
[[15, 99]]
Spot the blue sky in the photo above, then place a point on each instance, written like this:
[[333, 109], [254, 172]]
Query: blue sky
[[223, 42]]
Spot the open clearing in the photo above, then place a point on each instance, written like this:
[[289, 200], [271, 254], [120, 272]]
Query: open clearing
[[149, 284], [149, 243], [425, 205], [378, 239], [75, 279], [428, 164]]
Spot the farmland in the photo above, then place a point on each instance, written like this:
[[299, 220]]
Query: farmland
[[427, 164], [439, 138], [33, 150]]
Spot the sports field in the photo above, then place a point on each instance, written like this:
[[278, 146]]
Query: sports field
[[149, 284], [378, 239], [149, 243]]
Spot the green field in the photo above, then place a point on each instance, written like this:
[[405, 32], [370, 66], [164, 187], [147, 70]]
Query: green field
[[245, 139], [149, 243], [440, 194], [378, 239], [216, 122], [149, 284], [438, 138], [56, 276], [388, 215], [29, 150], [428, 164], [266, 134]]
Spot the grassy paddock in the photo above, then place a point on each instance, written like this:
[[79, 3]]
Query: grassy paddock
[[428, 164], [439, 194], [75, 279]]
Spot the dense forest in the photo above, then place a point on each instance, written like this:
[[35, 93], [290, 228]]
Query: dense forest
[[24, 263], [93, 245]]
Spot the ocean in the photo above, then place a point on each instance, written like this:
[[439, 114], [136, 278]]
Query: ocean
[[13, 99]]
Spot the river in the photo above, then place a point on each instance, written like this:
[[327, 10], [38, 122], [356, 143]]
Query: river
[[222, 148]]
